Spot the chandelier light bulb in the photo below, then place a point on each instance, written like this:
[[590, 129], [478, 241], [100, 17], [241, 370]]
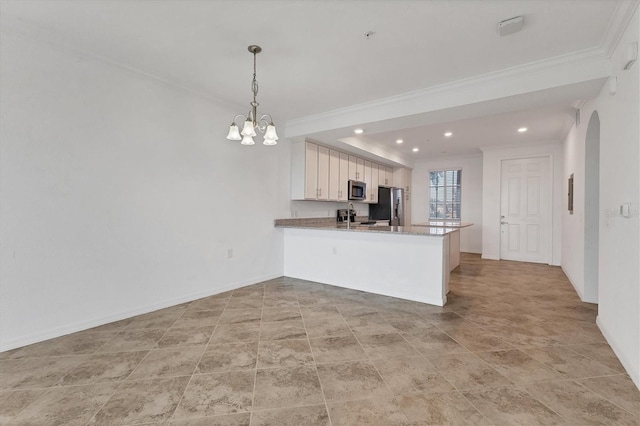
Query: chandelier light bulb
[[271, 133], [248, 129], [247, 140], [234, 133]]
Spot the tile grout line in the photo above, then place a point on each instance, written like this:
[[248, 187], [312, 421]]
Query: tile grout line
[[394, 396], [456, 389], [206, 346], [255, 372], [604, 397], [315, 364], [132, 370]]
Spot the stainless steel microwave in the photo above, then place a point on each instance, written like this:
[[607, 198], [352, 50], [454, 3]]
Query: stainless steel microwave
[[357, 190]]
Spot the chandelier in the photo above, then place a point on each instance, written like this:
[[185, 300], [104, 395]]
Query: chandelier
[[251, 121]]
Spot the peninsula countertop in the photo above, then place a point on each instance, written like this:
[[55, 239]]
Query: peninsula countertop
[[443, 224], [395, 230]]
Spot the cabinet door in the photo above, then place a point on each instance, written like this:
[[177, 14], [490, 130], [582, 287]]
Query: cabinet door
[[389, 176], [407, 209], [367, 180], [382, 175], [334, 175], [323, 173], [343, 180], [353, 172], [407, 180], [311, 171], [359, 169], [374, 183]]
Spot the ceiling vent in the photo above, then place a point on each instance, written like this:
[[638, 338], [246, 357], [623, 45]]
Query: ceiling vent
[[511, 25]]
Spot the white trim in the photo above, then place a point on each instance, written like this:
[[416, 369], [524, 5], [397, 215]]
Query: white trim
[[629, 365], [617, 25], [575, 287], [41, 37], [84, 325]]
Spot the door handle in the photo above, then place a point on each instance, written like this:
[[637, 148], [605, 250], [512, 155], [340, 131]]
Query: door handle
[[504, 223]]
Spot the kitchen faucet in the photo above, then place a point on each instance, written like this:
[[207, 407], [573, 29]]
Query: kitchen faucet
[[349, 208]]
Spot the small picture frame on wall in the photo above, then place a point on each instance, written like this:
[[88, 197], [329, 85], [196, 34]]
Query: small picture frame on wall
[[570, 194]]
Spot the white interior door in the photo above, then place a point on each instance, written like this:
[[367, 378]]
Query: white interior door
[[525, 210]]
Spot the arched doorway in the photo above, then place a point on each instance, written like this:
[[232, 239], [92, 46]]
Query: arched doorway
[[591, 208]]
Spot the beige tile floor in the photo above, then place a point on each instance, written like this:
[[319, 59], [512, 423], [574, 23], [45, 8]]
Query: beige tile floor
[[514, 346]]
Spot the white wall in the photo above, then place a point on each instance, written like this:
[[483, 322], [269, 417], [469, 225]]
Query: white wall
[[619, 254], [492, 158], [619, 269], [471, 203], [573, 224], [120, 195]]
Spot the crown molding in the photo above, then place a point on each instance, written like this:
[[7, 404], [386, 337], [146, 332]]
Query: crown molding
[[617, 25], [43, 37], [578, 67]]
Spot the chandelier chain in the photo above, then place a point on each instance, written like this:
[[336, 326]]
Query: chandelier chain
[[254, 84]]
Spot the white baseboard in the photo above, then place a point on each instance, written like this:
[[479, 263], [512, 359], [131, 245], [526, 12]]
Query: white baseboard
[[489, 257], [84, 325], [630, 365], [575, 287]]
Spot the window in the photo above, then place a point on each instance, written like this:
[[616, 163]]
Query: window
[[444, 199]]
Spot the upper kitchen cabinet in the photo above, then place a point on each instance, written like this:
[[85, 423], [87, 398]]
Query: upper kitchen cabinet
[[371, 179], [385, 176], [374, 183], [309, 172], [356, 168], [338, 175], [402, 179]]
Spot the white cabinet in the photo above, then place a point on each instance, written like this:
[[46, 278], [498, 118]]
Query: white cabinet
[[343, 179], [407, 208], [374, 183], [323, 173], [309, 172], [402, 179], [371, 179], [334, 175], [338, 175], [385, 177], [356, 168], [367, 180], [353, 172]]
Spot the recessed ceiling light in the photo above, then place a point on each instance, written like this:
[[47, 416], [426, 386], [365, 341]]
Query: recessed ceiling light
[[416, 149], [448, 134], [358, 131], [522, 129], [399, 141]]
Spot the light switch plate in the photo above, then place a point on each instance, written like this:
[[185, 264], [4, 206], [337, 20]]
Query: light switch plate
[[624, 209]]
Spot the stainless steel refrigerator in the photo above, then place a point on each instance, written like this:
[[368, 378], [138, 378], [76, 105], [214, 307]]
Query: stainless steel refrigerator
[[389, 207]]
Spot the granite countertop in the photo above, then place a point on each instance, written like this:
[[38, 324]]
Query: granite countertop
[[355, 227], [444, 224]]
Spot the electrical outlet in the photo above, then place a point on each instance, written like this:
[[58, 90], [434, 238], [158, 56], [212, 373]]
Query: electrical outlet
[[624, 209], [229, 253], [335, 250]]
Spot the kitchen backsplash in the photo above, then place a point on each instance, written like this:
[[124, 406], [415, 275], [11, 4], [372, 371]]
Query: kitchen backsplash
[[315, 209]]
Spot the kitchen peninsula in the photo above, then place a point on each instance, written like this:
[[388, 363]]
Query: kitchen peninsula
[[410, 262]]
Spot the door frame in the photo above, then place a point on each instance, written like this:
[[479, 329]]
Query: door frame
[[550, 181]]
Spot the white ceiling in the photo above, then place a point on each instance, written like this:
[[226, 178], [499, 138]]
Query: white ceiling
[[315, 56], [543, 125]]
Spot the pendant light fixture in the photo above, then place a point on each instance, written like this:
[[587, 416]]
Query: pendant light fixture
[[251, 122]]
